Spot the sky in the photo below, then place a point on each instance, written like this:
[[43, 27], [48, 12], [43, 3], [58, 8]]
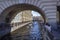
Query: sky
[[34, 13]]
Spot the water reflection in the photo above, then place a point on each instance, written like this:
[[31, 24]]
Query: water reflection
[[35, 31], [28, 32]]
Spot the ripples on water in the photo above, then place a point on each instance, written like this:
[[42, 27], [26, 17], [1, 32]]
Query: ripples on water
[[29, 32]]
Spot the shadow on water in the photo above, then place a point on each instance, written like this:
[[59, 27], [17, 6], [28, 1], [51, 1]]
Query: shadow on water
[[4, 29]]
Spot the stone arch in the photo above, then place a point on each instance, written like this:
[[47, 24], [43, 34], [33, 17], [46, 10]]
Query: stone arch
[[27, 4], [48, 6]]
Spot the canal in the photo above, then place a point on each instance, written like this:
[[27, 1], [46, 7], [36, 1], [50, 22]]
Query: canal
[[28, 32]]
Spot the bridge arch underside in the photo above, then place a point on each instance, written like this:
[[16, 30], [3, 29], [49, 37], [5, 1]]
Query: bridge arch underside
[[47, 8], [12, 11]]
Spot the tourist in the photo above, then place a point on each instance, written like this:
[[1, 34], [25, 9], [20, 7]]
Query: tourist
[[48, 27]]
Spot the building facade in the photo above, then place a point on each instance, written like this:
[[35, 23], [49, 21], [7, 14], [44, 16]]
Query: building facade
[[23, 16]]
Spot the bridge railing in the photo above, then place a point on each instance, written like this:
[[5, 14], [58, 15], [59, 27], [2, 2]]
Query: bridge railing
[[7, 25], [18, 23]]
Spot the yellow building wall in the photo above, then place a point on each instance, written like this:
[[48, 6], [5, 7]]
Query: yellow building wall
[[23, 16], [27, 15]]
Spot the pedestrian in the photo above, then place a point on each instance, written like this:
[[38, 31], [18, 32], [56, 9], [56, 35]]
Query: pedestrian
[[48, 27]]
